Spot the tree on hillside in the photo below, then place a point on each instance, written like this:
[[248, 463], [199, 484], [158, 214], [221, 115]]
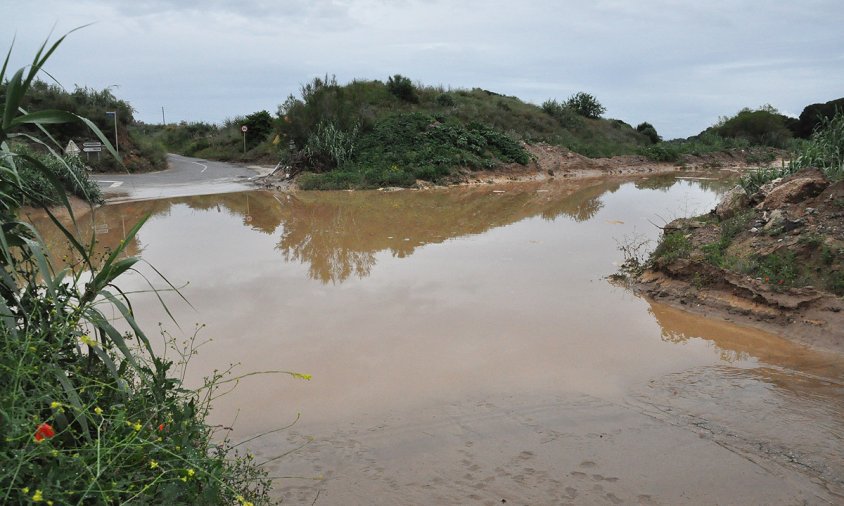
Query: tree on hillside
[[402, 87], [586, 105], [565, 115], [260, 125], [814, 115], [762, 126], [649, 131]]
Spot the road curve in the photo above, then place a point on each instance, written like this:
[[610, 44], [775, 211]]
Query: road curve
[[184, 176]]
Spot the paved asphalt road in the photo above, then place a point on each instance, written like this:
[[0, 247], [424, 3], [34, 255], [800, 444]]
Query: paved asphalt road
[[184, 176]]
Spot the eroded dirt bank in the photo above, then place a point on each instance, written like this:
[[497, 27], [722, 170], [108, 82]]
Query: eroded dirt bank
[[774, 260]]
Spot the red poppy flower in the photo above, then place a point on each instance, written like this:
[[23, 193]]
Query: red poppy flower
[[160, 427], [44, 431]]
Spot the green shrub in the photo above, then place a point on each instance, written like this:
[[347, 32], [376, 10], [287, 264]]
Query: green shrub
[[329, 147], [662, 152], [585, 105], [825, 150], [36, 187], [565, 115], [402, 87], [260, 126], [649, 131], [445, 100], [814, 115], [764, 126]]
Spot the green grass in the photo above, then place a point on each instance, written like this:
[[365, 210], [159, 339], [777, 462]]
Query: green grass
[[825, 150], [779, 270], [730, 228], [673, 246]]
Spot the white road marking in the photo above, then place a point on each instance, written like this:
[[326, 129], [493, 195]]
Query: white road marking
[[201, 164], [114, 184]]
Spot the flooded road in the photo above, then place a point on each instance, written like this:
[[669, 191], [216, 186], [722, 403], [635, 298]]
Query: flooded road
[[466, 349]]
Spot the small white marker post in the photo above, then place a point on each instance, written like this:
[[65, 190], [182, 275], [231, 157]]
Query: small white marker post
[[244, 129]]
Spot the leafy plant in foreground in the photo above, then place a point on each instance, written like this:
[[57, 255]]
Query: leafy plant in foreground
[[89, 414]]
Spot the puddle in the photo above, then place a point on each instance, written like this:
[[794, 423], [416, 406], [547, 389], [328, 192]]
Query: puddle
[[450, 333]]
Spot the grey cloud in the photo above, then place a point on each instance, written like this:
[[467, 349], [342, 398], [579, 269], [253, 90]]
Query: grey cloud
[[677, 64]]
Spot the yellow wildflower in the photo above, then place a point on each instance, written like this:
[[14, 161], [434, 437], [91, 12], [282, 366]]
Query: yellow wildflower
[[25, 490], [98, 410], [55, 405], [153, 464], [90, 342], [137, 426], [297, 375], [184, 478], [191, 472], [37, 496]]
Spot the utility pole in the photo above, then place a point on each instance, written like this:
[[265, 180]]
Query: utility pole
[[116, 144], [163, 122]]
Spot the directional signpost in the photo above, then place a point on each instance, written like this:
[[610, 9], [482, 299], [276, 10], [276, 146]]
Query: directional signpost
[[244, 129], [92, 147]]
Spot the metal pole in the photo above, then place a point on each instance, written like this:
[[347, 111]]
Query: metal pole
[[244, 143], [163, 122]]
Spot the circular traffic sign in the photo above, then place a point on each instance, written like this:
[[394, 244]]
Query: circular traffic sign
[[243, 129]]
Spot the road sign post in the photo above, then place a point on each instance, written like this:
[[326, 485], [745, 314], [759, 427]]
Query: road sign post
[[92, 147], [72, 149], [244, 129], [116, 145]]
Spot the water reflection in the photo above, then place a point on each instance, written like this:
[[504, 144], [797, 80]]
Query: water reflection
[[338, 235], [736, 344], [664, 182]]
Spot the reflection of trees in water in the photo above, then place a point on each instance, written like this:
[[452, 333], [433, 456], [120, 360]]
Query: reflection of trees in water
[[664, 182], [661, 182], [327, 238], [581, 205], [339, 234]]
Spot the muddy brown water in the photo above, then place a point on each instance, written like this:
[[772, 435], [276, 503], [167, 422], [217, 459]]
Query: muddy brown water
[[466, 348]]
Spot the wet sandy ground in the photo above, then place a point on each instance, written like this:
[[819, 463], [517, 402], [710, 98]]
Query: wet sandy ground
[[563, 449], [465, 349]]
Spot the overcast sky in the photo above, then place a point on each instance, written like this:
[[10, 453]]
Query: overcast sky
[[677, 64]]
